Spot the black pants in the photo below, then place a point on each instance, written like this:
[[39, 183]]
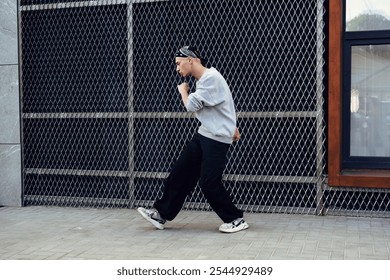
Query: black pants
[[203, 160]]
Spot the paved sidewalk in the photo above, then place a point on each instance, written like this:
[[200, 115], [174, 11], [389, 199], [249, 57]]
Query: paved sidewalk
[[117, 234]]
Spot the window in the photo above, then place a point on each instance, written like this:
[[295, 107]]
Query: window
[[366, 84], [367, 15], [359, 93]]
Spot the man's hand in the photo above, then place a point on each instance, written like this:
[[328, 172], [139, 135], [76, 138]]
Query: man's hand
[[236, 135], [183, 90]]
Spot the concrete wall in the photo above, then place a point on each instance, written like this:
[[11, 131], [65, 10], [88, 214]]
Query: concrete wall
[[10, 147]]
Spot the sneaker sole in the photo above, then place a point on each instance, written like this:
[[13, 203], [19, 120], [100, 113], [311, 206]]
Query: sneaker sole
[[146, 217], [236, 229]]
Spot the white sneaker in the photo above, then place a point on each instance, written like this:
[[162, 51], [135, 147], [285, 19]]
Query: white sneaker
[[236, 225], [153, 217]]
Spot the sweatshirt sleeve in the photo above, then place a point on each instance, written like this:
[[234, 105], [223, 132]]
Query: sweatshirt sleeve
[[206, 95]]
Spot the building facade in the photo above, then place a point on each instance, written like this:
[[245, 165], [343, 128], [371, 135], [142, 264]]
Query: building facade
[[101, 121]]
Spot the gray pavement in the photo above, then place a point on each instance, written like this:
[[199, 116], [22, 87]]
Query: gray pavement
[[55, 233]]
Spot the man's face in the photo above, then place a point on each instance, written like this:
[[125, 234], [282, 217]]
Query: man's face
[[183, 66]]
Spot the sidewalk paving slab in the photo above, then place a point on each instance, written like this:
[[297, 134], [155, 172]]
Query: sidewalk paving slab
[[59, 233]]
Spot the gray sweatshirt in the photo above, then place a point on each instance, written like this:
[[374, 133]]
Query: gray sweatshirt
[[213, 105]]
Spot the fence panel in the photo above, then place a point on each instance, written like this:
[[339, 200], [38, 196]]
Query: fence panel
[[103, 123]]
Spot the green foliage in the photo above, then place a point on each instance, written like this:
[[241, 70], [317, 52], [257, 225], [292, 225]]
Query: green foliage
[[368, 22]]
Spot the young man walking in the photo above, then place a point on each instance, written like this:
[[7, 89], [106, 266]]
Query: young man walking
[[204, 158]]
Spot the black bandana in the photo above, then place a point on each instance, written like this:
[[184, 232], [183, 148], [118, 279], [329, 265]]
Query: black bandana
[[188, 51]]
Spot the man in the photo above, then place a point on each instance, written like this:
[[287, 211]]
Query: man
[[204, 159]]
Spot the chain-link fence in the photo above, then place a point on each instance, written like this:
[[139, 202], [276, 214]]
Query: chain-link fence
[[103, 122]]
